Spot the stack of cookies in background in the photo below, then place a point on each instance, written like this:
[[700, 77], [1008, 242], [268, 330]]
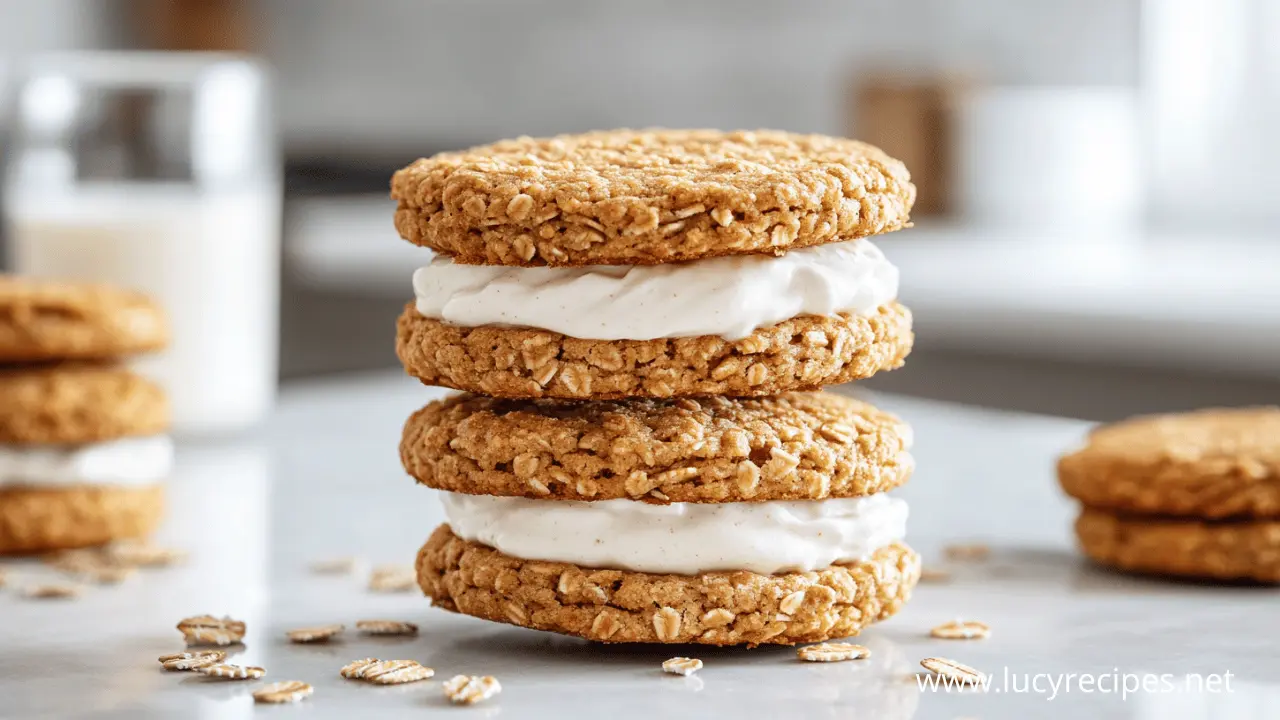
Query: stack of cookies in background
[[636, 319], [1194, 495], [83, 444]]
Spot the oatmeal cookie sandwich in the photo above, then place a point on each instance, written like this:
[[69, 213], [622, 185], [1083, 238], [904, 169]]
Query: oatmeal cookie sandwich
[[710, 520], [83, 444], [653, 264]]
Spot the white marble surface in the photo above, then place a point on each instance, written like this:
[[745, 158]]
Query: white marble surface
[[323, 480]]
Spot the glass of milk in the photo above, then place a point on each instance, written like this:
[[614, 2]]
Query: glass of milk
[[160, 172]]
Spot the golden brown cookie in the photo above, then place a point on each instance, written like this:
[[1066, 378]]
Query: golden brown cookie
[[43, 320], [799, 446], [629, 197], [1209, 464], [725, 608], [804, 353], [36, 520], [78, 403], [1225, 550]]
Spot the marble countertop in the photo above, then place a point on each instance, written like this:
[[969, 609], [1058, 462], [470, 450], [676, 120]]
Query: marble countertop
[[322, 479]]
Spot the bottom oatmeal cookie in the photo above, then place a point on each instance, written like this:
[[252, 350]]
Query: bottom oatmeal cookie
[[803, 353], [1245, 550], [44, 519], [720, 608]]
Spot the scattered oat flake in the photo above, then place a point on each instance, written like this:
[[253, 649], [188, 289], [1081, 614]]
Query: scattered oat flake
[[386, 627], [52, 591], [934, 575], [334, 566], [234, 672], [682, 666], [948, 668], [471, 689], [321, 633], [90, 565], [193, 660], [209, 630], [396, 672], [393, 579], [961, 630], [832, 652], [355, 670], [73, 561], [142, 554], [112, 576], [972, 552], [286, 691]]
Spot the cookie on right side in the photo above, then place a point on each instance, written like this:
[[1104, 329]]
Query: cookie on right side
[[1192, 495]]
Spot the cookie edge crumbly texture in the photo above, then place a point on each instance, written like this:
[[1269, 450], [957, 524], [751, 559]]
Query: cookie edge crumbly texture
[[615, 606], [1165, 479], [76, 403], [44, 321], [803, 353], [509, 203], [39, 520], [1233, 551], [798, 446]]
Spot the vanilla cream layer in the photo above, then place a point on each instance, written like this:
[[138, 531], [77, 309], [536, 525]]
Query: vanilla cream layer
[[681, 538], [726, 296], [129, 461]]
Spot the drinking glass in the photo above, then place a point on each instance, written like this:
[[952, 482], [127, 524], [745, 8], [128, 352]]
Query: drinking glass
[[160, 172]]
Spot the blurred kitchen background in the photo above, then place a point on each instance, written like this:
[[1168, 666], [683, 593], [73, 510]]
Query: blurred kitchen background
[[1099, 180]]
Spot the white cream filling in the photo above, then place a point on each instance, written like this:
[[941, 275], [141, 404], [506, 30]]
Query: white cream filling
[[128, 461], [681, 538], [726, 296]]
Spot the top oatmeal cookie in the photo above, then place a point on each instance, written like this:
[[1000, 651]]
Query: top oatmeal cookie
[[45, 320], [645, 197]]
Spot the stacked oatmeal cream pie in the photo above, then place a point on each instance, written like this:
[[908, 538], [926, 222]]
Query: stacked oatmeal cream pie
[[83, 445], [640, 322]]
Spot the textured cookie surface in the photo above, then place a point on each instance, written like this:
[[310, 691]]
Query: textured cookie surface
[[728, 608], [798, 446], [77, 403], [1209, 464], [1229, 550], [39, 520], [804, 353], [630, 197], [41, 321]]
